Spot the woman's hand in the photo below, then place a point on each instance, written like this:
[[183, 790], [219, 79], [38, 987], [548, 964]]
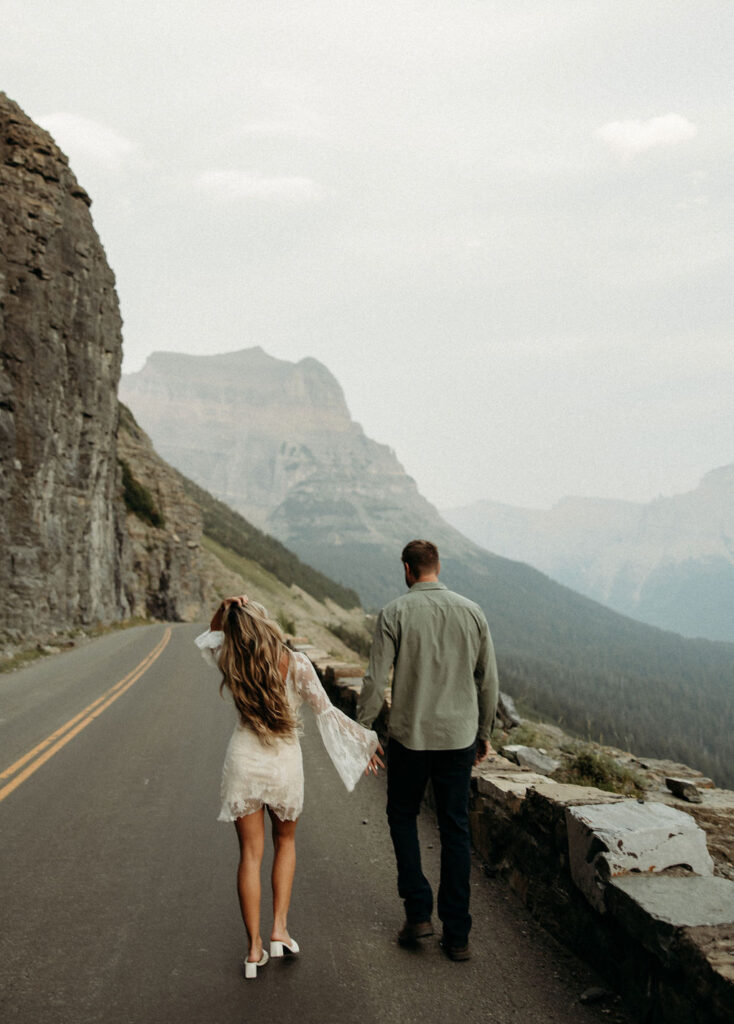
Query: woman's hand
[[374, 763], [216, 623]]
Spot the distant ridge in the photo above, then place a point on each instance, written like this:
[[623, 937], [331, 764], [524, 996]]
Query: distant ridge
[[669, 563], [275, 440]]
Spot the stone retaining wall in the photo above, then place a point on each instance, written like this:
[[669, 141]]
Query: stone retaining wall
[[628, 884]]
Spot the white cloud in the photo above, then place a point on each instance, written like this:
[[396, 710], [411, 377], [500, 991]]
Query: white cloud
[[83, 139], [628, 138], [229, 185]]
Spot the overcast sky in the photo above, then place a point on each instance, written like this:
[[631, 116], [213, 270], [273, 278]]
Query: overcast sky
[[506, 227]]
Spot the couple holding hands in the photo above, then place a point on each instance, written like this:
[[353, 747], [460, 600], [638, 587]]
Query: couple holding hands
[[444, 696]]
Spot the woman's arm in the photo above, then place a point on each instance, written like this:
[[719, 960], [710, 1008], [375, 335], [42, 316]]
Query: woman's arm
[[352, 748]]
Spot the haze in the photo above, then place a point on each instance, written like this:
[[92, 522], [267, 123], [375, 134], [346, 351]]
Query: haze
[[505, 227]]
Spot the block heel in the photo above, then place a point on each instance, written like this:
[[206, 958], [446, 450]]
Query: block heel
[[278, 949]]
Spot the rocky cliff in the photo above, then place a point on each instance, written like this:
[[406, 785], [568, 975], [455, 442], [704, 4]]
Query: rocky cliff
[[669, 562], [162, 570], [71, 553], [60, 345]]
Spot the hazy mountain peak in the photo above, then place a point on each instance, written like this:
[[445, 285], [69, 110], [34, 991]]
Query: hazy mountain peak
[[669, 562]]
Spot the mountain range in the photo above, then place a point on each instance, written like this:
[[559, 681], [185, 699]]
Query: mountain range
[[98, 529], [669, 563], [274, 440]]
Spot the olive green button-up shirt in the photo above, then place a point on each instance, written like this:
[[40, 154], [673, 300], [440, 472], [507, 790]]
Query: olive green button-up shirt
[[445, 685]]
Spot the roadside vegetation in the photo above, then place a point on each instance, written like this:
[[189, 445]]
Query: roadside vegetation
[[589, 767], [138, 498]]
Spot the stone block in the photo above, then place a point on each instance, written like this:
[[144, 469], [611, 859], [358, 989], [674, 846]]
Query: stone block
[[529, 757], [350, 683], [508, 788], [687, 924], [685, 789], [682, 902], [565, 794], [605, 841]]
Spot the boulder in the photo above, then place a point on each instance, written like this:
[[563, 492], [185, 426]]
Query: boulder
[[685, 789], [507, 712], [605, 841], [530, 757]]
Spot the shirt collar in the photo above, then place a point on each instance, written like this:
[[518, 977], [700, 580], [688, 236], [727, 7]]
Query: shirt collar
[[428, 585]]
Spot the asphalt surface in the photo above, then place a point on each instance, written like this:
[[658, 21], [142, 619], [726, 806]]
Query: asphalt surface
[[117, 884]]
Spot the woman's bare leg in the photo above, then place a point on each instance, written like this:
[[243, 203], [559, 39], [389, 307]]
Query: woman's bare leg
[[284, 867], [251, 836]]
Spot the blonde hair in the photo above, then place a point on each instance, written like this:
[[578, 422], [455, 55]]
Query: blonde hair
[[250, 660]]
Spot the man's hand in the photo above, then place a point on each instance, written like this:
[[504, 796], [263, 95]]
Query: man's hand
[[375, 763], [484, 749]]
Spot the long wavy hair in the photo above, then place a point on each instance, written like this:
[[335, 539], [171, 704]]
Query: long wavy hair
[[252, 651]]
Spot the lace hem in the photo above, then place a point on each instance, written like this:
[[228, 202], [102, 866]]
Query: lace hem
[[231, 812]]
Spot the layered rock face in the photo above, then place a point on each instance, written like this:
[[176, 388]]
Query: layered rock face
[[60, 345], [275, 441], [71, 554], [669, 563], [161, 567]]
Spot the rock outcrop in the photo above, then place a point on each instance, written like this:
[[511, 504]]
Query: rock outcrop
[[61, 347], [161, 566], [275, 440], [72, 554]]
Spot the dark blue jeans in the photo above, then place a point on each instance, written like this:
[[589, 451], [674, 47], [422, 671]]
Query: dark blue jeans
[[408, 772]]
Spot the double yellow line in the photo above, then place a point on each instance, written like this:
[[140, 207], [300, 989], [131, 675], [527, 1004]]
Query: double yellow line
[[25, 766]]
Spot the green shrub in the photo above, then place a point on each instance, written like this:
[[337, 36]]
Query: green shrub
[[138, 498], [594, 768], [286, 622], [356, 641]]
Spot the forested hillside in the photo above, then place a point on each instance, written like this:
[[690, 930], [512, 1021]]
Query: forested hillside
[[604, 676], [233, 531]]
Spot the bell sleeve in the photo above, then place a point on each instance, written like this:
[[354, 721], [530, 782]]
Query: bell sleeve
[[349, 745], [210, 644]]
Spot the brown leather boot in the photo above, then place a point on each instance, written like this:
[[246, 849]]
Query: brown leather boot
[[414, 930]]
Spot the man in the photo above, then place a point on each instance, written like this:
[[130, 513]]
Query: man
[[444, 698]]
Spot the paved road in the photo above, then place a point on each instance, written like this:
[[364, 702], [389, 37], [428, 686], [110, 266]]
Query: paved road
[[118, 884]]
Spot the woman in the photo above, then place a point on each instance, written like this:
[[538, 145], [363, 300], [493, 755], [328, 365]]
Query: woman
[[263, 766]]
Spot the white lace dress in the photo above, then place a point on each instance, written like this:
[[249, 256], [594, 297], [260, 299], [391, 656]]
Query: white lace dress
[[257, 773]]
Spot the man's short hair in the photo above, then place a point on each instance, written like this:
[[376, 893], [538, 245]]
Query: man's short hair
[[421, 557]]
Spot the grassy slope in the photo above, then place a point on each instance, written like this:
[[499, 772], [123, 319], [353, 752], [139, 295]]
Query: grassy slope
[[297, 611], [231, 530]]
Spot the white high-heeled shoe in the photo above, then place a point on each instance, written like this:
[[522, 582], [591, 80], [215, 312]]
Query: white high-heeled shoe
[[251, 966], [283, 948]]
